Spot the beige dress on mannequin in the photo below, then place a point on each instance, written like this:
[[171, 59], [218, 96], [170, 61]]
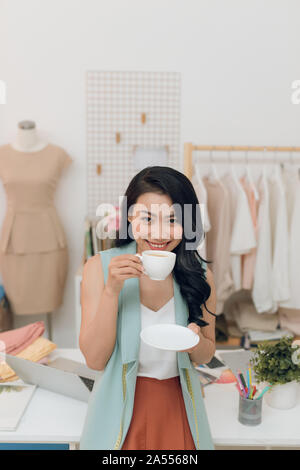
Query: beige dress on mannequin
[[33, 248]]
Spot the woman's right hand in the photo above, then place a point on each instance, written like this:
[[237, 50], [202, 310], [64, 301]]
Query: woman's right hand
[[120, 268]]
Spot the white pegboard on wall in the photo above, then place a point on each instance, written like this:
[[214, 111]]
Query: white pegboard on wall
[[126, 110]]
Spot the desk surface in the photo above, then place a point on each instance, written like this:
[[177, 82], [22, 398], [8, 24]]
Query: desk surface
[[279, 428], [51, 417]]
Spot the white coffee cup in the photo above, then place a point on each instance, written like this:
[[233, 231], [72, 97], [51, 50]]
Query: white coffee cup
[[157, 263]]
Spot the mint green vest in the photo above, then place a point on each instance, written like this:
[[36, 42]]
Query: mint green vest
[[111, 401]]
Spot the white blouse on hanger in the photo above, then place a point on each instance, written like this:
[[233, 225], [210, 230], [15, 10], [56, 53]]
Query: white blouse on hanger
[[280, 240], [262, 292], [292, 186], [201, 193], [243, 234]]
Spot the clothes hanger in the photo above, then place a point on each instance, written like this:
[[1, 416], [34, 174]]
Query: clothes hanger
[[206, 226], [264, 166], [294, 168], [199, 178], [249, 177], [232, 166], [289, 171], [233, 171], [292, 161], [213, 169], [277, 176]]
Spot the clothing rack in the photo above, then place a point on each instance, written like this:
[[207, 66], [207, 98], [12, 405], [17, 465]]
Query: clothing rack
[[189, 148]]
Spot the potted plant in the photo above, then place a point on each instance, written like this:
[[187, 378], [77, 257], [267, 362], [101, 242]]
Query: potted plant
[[278, 365]]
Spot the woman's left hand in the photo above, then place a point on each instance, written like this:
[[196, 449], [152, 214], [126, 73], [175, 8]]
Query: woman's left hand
[[196, 329]]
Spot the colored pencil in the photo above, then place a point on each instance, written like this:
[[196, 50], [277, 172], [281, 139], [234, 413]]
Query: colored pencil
[[250, 376], [241, 385], [242, 379], [248, 380], [240, 392], [263, 392]]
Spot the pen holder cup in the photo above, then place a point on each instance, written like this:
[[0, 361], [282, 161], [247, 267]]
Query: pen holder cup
[[250, 411]]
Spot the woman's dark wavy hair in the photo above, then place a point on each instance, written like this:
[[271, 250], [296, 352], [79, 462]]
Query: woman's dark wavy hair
[[188, 270]]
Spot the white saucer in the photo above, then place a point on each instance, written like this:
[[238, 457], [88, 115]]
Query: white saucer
[[169, 337]]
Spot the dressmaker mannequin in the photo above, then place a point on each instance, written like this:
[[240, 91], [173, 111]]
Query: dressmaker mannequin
[[27, 140]]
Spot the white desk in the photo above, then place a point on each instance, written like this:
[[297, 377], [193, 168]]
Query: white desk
[[54, 418], [50, 417], [279, 428]]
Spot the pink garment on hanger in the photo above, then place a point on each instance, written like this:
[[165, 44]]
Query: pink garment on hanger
[[18, 339], [248, 260]]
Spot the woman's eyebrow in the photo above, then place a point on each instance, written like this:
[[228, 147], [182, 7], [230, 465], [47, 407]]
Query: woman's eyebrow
[[172, 214], [146, 212]]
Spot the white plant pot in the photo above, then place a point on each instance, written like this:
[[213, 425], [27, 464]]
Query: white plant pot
[[283, 396]]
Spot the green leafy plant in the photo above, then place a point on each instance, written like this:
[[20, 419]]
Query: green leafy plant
[[11, 388], [277, 363]]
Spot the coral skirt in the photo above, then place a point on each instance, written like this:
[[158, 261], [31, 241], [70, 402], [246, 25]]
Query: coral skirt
[[159, 420]]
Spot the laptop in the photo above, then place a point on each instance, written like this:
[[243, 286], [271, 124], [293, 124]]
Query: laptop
[[61, 375]]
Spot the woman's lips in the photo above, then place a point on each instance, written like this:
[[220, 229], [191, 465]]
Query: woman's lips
[[157, 246]]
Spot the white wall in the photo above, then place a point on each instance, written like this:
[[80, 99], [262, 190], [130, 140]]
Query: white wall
[[238, 59]]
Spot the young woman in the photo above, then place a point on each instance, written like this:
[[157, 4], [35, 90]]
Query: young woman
[[148, 398]]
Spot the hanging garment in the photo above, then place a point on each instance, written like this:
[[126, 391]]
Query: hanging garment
[[33, 248], [262, 293], [202, 198], [201, 193], [290, 180], [218, 239], [280, 241], [112, 399], [292, 186], [248, 260], [242, 235]]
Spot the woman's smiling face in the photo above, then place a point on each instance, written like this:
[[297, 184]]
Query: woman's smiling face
[[154, 224]]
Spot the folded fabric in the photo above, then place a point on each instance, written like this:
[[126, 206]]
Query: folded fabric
[[14, 341], [247, 318], [242, 316], [40, 348], [289, 319]]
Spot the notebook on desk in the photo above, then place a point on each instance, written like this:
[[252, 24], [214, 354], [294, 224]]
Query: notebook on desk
[[14, 399], [237, 360]]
